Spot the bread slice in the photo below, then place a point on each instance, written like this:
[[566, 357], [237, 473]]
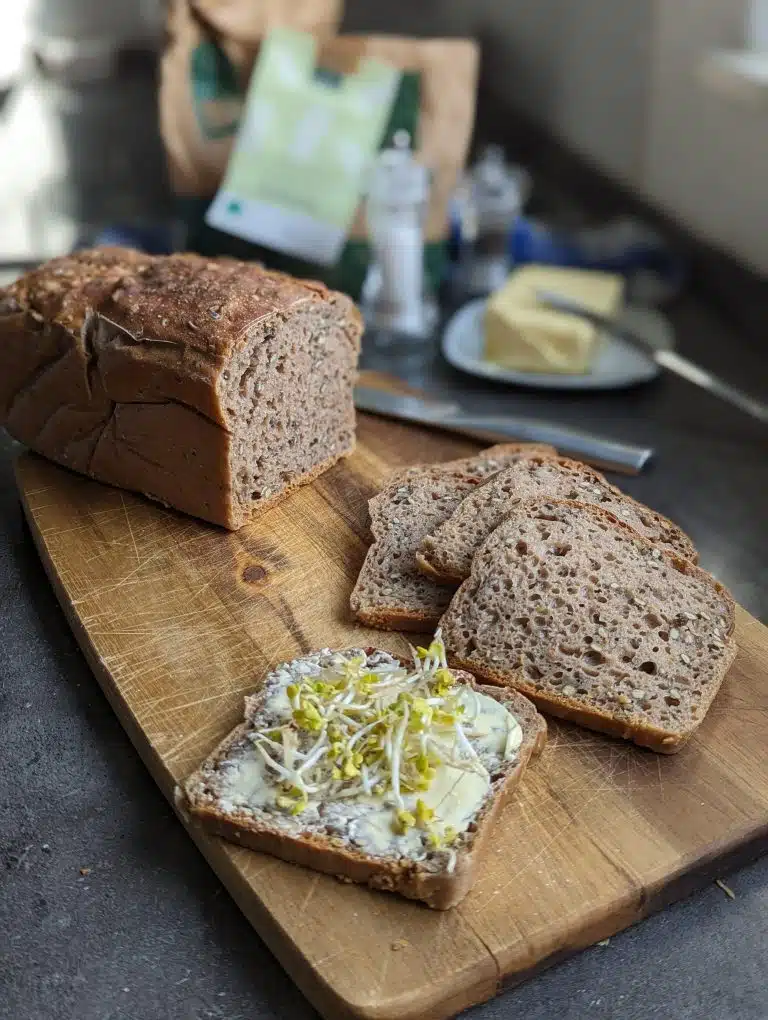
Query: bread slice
[[226, 794], [594, 623], [446, 552], [391, 592]]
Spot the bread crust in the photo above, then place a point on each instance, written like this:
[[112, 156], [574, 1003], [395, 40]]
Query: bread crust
[[571, 709], [411, 620], [334, 856], [443, 576], [474, 465]]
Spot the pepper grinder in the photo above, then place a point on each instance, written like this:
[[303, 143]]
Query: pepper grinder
[[395, 299]]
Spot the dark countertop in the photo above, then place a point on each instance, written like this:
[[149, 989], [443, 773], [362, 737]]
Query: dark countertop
[[107, 911]]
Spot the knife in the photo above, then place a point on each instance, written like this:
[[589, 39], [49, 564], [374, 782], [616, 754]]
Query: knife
[[605, 453], [670, 360]]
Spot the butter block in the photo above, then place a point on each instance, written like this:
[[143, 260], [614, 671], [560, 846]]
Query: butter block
[[523, 335]]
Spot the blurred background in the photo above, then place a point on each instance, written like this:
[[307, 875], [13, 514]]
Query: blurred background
[[668, 97]]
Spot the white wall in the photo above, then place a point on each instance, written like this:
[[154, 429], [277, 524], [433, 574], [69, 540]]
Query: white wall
[[618, 81], [706, 156], [582, 67]]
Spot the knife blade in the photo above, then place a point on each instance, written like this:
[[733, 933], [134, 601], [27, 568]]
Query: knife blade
[[670, 360], [452, 417]]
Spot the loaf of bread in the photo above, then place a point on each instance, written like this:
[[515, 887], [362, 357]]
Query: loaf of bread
[[212, 386], [369, 805]]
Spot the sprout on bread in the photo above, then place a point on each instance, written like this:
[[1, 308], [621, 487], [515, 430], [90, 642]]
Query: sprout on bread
[[375, 729]]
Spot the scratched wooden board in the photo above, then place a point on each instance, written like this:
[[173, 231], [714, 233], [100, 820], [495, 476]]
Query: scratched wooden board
[[180, 620]]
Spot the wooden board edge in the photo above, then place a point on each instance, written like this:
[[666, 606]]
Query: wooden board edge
[[441, 1004], [724, 859]]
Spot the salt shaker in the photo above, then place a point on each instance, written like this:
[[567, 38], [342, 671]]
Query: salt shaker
[[394, 295]]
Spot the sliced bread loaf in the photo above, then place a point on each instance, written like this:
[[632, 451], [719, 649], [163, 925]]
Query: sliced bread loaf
[[594, 623], [297, 780], [446, 552], [391, 592]]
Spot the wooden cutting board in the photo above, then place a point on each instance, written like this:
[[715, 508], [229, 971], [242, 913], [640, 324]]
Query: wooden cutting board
[[180, 620]]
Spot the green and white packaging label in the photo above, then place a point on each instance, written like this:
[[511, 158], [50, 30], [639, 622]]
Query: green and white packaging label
[[306, 139]]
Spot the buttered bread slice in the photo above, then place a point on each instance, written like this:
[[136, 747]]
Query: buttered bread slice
[[384, 773]]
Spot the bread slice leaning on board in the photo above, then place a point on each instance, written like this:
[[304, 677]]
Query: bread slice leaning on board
[[391, 592], [594, 623], [446, 553], [333, 832]]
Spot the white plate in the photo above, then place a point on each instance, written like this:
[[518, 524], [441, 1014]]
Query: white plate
[[618, 364]]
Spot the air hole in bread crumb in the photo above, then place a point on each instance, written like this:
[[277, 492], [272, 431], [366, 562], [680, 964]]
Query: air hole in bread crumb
[[561, 549], [602, 599], [522, 547], [648, 667], [610, 557], [533, 672], [593, 657], [653, 620], [672, 701]]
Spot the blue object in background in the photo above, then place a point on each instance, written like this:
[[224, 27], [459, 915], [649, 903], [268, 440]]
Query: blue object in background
[[654, 273], [155, 239]]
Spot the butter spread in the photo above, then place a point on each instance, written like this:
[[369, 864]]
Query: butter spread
[[398, 761]]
